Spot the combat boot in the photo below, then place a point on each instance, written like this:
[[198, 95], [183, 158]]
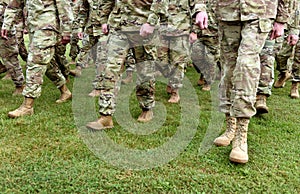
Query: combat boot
[[261, 104], [104, 122], [169, 89], [18, 90], [294, 90], [76, 72], [239, 152], [25, 109], [2, 68], [206, 87], [128, 79], [145, 116], [7, 76], [95, 93], [228, 135], [174, 96], [282, 78], [201, 81], [65, 94]]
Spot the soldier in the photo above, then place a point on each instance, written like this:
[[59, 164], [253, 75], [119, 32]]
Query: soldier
[[173, 53], [130, 66], [267, 59], [46, 21], [243, 29], [133, 27], [9, 53], [87, 20], [207, 58]]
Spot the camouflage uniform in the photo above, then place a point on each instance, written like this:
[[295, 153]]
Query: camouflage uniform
[[45, 20], [173, 53], [125, 22], [210, 53], [74, 47], [20, 26], [87, 20], [9, 53], [240, 51]]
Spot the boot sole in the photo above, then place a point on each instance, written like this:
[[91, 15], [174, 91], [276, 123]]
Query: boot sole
[[99, 129], [238, 160]]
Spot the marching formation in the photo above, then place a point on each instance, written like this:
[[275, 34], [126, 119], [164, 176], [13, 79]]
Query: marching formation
[[236, 42]]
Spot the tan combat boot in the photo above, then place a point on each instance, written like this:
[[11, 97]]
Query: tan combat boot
[[146, 116], [206, 87], [128, 79], [104, 122], [174, 96], [25, 109], [65, 94], [261, 104], [282, 78], [95, 93], [18, 90], [294, 90], [77, 72], [239, 152], [169, 89], [228, 135], [201, 81]]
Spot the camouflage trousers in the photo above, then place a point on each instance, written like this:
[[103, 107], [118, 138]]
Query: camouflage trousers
[[41, 61], [240, 46], [21, 45], [205, 55], [9, 53], [88, 49], [117, 49], [74, 47], [130, 61], [173, 56], [267, 59], [100, 62], [282, 56], [60, 59], [296, 64]]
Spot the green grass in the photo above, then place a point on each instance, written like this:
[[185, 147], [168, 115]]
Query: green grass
[[50, 152]]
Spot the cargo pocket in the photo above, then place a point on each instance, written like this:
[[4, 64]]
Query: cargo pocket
[[265, 25]]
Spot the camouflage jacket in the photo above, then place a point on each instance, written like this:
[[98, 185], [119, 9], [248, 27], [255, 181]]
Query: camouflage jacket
[[130, 15], [41, 14], [241, 10], [87, 16], [293, 23]]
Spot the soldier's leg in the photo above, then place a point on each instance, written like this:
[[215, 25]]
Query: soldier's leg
[[266, 78], [296, 72], [9, 54], [117, 48], [74, 47], [179, 57], [282, 64], [21, 45], [197, 51], [41, 51], [130, 66]]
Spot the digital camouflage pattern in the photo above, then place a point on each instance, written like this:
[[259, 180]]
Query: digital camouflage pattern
[[9, 53], [46, 20]]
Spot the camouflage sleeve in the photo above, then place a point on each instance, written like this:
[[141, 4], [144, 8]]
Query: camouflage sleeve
[[82, 16], [158, 8], [282, 11], [14, 8], [105, 8], [95, 18], [65, 15], [199, 5]]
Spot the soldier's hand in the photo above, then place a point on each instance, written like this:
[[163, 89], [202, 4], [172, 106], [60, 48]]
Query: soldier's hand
[[65, 39], [146, 29], [202, 20], [105, 28], [193, 37], [292, 39], [277, 31], [4, 33], [80, 35]]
